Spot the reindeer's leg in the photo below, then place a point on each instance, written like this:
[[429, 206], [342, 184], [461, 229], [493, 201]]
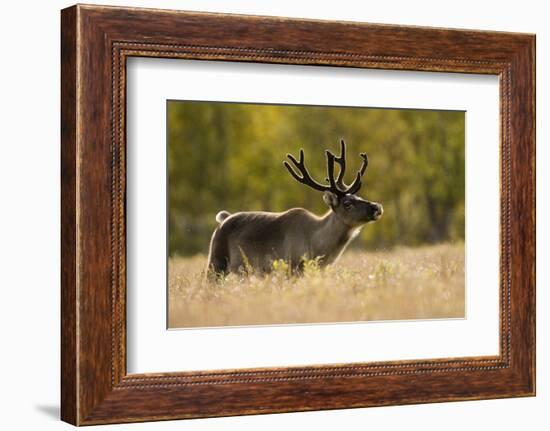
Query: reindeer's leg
[[296, 264], [218, 257]]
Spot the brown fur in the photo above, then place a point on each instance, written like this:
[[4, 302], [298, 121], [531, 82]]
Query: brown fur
[[255, 239]]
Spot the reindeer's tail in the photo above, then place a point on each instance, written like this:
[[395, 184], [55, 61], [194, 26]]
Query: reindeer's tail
[[222, 215]]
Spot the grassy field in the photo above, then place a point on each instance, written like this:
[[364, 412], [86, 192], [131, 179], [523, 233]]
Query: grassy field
[[404, 283]]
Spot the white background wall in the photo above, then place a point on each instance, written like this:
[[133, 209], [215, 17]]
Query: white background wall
[[29, 214]]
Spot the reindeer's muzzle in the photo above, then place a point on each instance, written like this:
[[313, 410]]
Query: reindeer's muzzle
[[377, 210]]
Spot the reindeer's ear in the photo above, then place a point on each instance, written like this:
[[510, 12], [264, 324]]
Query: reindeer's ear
[[331, 199]]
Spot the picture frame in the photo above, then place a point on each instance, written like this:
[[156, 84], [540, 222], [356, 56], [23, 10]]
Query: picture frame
[[96, 42]]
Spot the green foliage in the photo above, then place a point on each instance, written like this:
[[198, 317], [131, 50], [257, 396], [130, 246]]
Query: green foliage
[[228, 156]]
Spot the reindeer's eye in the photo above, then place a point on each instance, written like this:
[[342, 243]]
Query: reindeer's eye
[[348, 205]]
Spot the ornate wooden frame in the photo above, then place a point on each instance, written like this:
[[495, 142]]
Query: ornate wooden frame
[[95, 43]]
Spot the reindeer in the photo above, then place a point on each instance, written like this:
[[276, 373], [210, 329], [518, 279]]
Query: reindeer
[[255, 239]]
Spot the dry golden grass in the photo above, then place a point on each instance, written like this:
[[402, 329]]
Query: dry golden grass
[[404, 283]]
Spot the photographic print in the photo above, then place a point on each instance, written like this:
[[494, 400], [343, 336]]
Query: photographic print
[[294, 214], [201, 276]]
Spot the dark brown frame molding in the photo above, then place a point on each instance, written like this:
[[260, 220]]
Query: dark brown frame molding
[[95, 43]]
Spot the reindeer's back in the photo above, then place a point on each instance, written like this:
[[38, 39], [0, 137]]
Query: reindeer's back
[[251, 225], [263, 225]]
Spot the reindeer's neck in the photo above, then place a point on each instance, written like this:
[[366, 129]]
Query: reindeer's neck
[[331, 238]]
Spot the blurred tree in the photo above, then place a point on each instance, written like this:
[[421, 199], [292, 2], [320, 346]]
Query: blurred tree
[[229, 156]]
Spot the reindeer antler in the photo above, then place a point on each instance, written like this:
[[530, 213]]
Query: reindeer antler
[[336, 186], [356, 185], [341, 160], [305, 178]]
